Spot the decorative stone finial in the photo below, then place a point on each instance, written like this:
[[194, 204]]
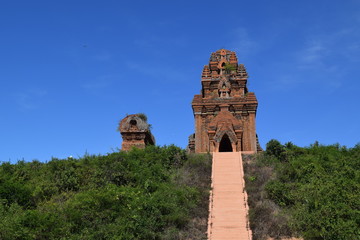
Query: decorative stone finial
[[242, 71], [206, 72], [233, 59]]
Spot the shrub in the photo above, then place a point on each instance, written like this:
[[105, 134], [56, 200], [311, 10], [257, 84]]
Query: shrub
[[140, 194], [274, 148], [313, 192]]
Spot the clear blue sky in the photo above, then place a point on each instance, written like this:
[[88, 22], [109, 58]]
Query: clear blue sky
[[70, 70]]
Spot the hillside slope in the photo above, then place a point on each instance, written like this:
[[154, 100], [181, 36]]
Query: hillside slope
[[155, 193], [313, 192]]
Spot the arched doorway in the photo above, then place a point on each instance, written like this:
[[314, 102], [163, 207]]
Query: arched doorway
[[225, 144]]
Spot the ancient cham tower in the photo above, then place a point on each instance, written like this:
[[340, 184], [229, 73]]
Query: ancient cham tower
[[225, 110]]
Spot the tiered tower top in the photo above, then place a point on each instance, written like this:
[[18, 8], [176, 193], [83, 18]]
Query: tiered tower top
[[224, 69]]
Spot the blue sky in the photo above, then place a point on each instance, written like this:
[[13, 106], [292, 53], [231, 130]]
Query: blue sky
[[70, 70]]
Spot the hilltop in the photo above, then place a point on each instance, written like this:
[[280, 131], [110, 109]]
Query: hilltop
[[162, 193]]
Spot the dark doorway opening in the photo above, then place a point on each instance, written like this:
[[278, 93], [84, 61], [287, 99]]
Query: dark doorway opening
[[225, 144]]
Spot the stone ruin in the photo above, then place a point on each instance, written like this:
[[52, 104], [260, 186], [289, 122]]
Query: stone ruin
[[225, 110], [135, 132]]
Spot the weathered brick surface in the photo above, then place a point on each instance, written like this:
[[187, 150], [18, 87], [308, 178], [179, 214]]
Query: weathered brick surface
[[224, 109], [135, 132]]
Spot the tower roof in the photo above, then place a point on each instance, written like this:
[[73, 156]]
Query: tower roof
[[134, 123], [221, 57]]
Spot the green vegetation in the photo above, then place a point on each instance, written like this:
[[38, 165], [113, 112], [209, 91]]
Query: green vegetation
[[162, 193], [155, 193], [312, 192], [229, 68]]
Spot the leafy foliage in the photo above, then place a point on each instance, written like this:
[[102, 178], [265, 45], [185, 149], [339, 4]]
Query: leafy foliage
[[274, 148], [136, 195], [229, 67], [314, 190]]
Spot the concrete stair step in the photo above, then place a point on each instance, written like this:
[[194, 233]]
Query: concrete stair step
[[229, 208]]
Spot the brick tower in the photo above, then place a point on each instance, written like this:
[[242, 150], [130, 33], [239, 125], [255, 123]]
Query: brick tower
[[224, 111]]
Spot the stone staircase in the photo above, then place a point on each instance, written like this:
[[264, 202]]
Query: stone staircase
[[228, 199]]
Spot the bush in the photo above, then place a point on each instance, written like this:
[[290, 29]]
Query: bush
[[314, 190], [140, 194], [274, 148]]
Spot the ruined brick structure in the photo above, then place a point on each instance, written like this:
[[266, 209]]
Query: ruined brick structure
[[224, 111], [135, 132]]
